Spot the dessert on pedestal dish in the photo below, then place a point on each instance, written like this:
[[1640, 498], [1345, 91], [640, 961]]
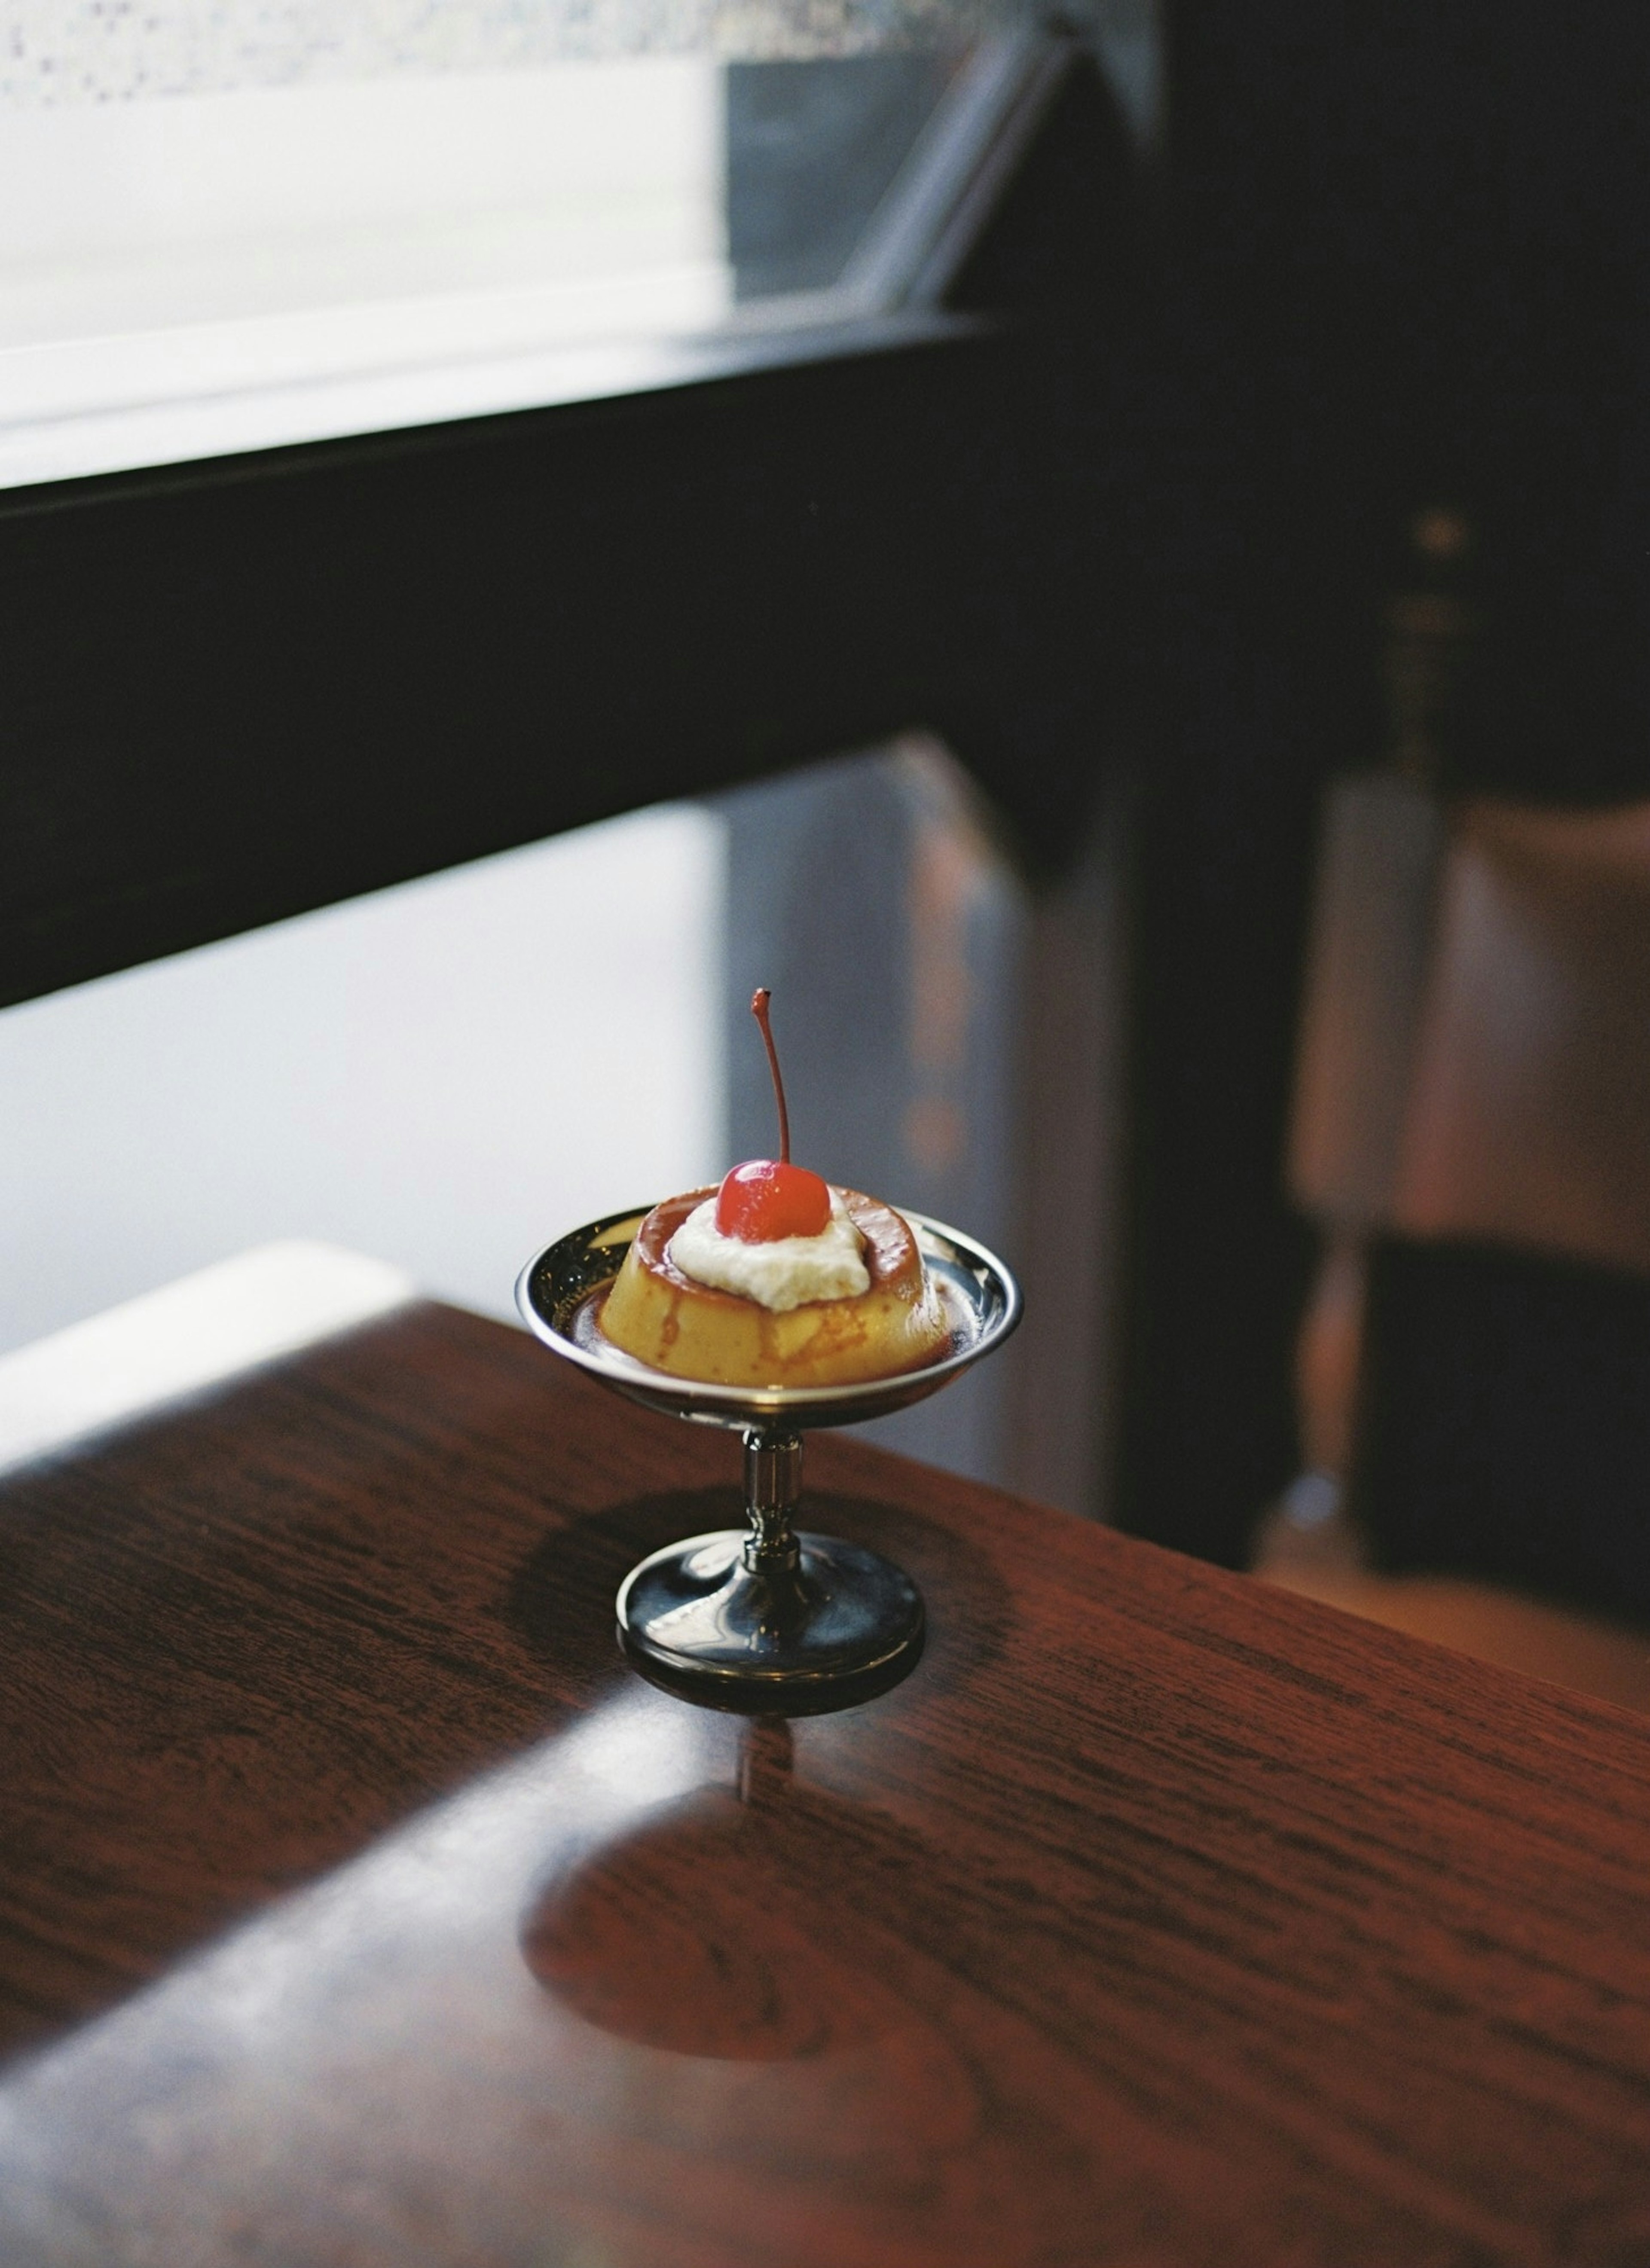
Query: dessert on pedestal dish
[[775, 1279], [772, 1304]]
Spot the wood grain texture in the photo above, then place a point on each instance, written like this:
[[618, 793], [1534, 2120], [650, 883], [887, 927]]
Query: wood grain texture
[[358, 1905]]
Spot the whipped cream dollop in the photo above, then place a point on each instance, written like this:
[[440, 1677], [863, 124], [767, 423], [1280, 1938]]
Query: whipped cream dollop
[[783, 1274]]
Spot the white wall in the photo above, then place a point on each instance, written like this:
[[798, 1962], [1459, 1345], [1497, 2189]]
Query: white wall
[[443, 1076], [239, 268]]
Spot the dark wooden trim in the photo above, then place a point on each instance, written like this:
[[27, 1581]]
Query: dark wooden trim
[[230, 701]]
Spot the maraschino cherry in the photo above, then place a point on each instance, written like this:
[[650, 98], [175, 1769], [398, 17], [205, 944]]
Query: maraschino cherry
[[767, 1198]]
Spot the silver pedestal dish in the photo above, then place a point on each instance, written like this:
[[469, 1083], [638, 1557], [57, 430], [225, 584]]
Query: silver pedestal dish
[[770, 1618]]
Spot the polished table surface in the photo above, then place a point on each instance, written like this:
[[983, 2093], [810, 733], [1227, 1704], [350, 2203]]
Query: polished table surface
[[358, 1905]]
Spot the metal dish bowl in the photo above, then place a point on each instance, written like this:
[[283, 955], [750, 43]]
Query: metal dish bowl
[[559, 1291]]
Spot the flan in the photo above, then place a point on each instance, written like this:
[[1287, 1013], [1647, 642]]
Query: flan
[[664, 1317]]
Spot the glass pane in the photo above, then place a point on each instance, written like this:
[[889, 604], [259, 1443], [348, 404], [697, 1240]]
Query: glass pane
[[813, 149], [872, 897], [421, 1076], [85, 53], [241, 268]]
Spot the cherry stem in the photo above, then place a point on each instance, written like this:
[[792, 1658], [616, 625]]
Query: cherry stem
[[759, 1000]]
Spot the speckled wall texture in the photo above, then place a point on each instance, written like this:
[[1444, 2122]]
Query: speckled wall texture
[[78, 51]]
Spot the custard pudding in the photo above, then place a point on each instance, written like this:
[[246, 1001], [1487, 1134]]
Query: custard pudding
[[848, 1301], [776, 1278]]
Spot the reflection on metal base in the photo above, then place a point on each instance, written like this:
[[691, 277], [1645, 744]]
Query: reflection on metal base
[[724, 1611]]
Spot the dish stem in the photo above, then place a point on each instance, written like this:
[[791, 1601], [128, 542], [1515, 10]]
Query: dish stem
[[773, 1490]]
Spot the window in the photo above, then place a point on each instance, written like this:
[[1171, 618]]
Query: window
[[239, 228]]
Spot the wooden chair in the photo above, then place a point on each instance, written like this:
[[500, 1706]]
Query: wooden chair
[[1472, 1132]]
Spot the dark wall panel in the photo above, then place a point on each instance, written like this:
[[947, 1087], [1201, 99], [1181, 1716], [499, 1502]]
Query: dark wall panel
[[237, 693]]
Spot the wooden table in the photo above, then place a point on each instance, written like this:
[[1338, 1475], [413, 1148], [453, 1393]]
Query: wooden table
[[358, 1905]]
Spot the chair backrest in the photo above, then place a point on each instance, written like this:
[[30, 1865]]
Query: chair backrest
[[1528, 1117], [1472, 1129]]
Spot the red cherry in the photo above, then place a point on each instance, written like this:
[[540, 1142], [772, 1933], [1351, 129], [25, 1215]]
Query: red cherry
[[766, 1198]]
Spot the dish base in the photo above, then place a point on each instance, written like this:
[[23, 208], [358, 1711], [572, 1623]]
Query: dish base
[[754, 1624]]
